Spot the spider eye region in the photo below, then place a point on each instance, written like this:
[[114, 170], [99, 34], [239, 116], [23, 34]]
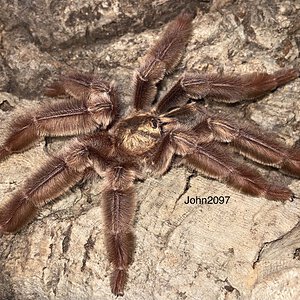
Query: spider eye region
[[139, 134], [154, 123]]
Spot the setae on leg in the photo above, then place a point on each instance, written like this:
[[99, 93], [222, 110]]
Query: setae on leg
[[161, 59], [119, 207], [224, 88], [52, 180], [260, 147], [95, 105], [211, 160]]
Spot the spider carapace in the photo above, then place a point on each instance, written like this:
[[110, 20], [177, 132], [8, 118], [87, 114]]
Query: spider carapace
[[120, 146]]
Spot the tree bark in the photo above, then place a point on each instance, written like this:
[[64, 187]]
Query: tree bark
[[245, 249]]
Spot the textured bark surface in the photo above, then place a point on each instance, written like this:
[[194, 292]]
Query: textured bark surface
[[246, 249]]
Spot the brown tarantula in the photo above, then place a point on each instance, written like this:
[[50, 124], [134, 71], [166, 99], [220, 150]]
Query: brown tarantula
[[149, 137]]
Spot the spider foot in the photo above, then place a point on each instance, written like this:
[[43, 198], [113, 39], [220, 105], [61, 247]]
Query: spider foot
[[15, 213], [4, 153], [278, 193], [294, 197], [118, 281], [3, 231]]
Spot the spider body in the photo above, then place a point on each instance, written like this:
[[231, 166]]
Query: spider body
[[139, 133], [147, 138]]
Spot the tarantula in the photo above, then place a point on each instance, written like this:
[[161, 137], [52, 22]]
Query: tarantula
[[120, 147]]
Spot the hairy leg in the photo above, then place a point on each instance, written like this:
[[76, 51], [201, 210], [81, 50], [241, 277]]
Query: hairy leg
[[92, 109], [225, 88], [76, 85], [214, 161], [159, 160], [262, 147], [119, 207], [54, 178], [162, 58], [188, 115]]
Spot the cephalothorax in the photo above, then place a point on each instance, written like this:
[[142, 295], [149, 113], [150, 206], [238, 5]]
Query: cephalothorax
[[139, 133], [120, 147]]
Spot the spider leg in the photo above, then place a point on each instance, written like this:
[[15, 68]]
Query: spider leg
[[54, 178], [76, 85], [250, 142], [119, 207], [260, 147], [187, 116], [213, 161], [159, 161], [224, 88], [65, 117], [162, 58]]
